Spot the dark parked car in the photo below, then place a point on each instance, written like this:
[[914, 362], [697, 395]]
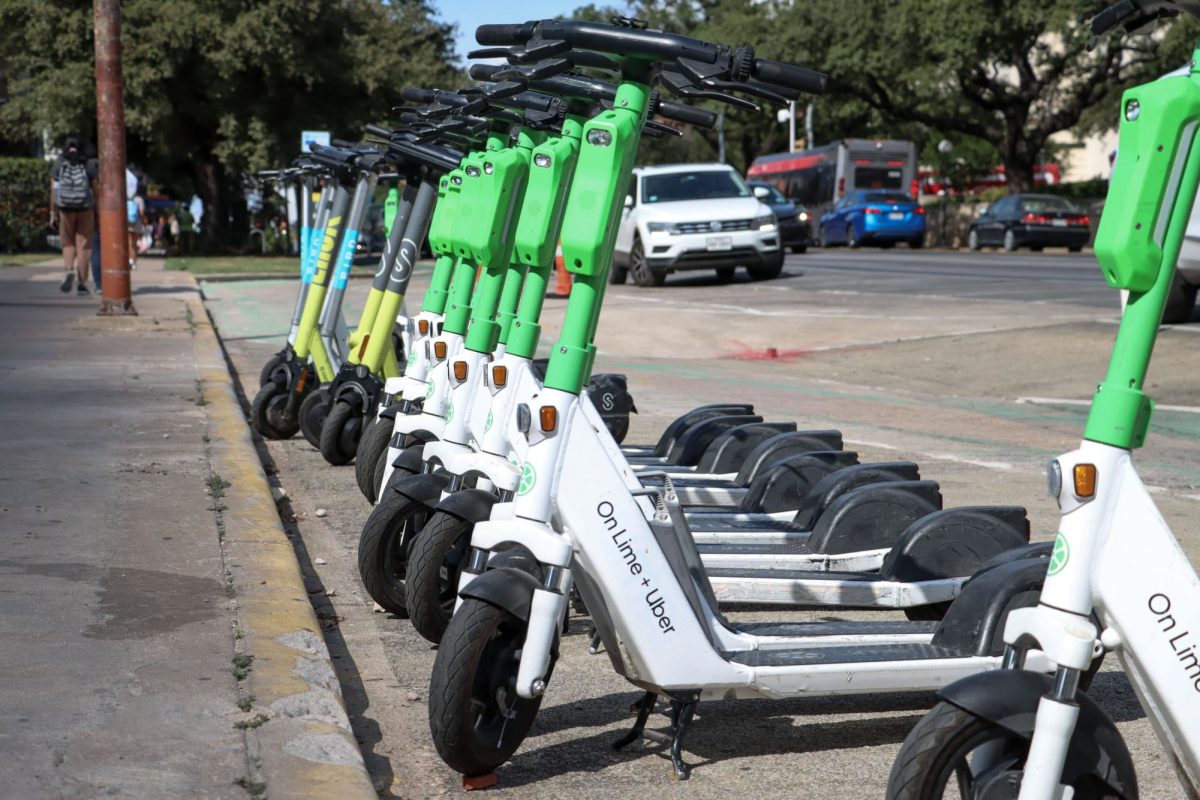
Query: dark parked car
[[873, 216], [1031, 220], [795, 228]]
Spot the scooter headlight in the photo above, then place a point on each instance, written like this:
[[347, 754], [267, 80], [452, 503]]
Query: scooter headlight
[[1054, 478]]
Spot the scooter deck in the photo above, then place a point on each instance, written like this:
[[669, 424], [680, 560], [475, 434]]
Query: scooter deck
[[896, 627], [844, 654], [815, 587], [795, 548]]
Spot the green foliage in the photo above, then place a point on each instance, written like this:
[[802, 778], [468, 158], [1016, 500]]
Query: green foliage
[[218, 88], [24, 203]]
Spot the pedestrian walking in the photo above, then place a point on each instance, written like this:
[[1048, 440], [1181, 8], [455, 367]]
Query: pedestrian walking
[[135, 210], [184, 219], [73, 211]]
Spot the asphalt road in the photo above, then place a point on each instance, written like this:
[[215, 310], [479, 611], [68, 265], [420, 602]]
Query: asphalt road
[[1049, 276]]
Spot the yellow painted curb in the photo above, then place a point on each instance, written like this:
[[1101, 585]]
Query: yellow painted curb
[[306, 749]]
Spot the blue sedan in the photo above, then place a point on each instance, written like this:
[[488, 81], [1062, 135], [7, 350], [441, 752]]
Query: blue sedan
[[873, 216]]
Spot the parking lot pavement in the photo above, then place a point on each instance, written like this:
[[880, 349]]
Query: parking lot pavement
[[980, 390]]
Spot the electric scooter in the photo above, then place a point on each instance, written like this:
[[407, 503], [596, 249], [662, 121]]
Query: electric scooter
[[872, 536], [1017, 733], [573, 520]]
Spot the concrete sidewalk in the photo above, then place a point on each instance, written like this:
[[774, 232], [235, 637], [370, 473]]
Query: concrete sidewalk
[[157, 637]]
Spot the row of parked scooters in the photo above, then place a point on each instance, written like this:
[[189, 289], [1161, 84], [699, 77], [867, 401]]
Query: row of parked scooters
[[503, 496]]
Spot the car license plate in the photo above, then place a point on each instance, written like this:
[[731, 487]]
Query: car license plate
[[896, 215], [719, 243], [1059, 223]]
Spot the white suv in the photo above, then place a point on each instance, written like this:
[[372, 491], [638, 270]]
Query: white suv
[[694, 216]]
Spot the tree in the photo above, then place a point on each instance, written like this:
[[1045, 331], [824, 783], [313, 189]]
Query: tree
[[215, 89]]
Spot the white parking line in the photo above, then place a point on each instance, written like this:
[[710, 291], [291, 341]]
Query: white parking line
[[1063, 401]]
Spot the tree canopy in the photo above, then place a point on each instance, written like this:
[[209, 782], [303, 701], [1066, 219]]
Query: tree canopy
[[217, 88]]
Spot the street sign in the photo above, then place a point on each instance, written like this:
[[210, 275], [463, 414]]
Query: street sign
[[309, 137]]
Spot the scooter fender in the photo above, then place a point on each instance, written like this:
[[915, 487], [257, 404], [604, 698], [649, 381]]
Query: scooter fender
[[469, 505], [547, 547], [501, 472], [504, 587], [1009, 698], [410, 459], [425, 489]]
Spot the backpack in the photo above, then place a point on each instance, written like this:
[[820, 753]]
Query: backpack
[[74, 188], [131, 211]]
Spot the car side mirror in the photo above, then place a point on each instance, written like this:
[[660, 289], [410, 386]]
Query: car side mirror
[[629, 201], [761, 192]]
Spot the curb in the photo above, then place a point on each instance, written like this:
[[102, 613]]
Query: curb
[[306, 749]]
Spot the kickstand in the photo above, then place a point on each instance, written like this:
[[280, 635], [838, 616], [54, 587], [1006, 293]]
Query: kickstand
[[595, 643], [681, 717], [643, 707]]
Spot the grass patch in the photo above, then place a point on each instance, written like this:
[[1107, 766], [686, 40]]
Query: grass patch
[[244, 703], [26, 259], [251, 724], [217, 485], [256, 789], [241, 665]]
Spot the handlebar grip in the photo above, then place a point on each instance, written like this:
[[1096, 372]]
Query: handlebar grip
[[1112, 16], [412, 94], [484, 72], [378, 130], [806, 80], [343, 144], [517, 33], [687, 114]]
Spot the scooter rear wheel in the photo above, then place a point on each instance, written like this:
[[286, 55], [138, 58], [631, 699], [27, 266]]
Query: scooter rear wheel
[[475, 714], [383, 549], [312, 415], [339, 433], [936, 760], [264, 375], [371, 447], [438, 555], [268, 413]]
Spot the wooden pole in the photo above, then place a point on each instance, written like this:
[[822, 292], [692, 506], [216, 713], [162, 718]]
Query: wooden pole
[[110, 130]]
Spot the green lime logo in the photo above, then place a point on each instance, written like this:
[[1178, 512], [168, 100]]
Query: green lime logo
[[487, 426], [429, 390], [449, 413], [528, 479], [1060, 556]]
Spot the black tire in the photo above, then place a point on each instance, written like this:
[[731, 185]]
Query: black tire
[[435, 563], [372, 445], [1077, 248], [619, 427], [917, 242], [339, 433], [268, 413], [312, 415], [852, 240], [1036, 248], [941, 742], [725, 274], [1010, 241], [822, 241], [383, 549], [475, 715], [769, 270], [1181, 299], [617, 275], [887, 245], [264, 375], [640, 269], [800, 249], [380, 470], [973, 242]]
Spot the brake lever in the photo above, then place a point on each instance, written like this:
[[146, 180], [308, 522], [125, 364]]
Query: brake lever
[[661, 129], [680, 86], [503, 89], [750, 86], [490, 52], [540, 49]]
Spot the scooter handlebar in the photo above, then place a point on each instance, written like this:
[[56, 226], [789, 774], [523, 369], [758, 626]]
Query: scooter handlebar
[[412, 94], [517, 33], [804, 80], [686, 114]]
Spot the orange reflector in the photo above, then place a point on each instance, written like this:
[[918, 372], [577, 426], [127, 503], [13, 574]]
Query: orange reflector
[[548, 416], [499, 376], [460, 371], [303, 379], [362, 348], [1085, 480], [439, 350], [423, 326]]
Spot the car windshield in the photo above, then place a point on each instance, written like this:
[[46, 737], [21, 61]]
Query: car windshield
[[1047, 204], [888, 198], [673, 187], [773, 194]]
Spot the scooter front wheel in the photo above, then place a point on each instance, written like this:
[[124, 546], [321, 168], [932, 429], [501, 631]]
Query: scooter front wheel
[[383, 549], [438, 556], [954, 753], [264, 375], [371, 447], [268, 413], [312, 415], [339, 433], [475, 714]]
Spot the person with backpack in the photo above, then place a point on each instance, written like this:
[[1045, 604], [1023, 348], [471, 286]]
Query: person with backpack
[[73, 211]]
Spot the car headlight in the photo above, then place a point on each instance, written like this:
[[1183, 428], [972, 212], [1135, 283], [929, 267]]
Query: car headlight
[[662, 227], [802, 216], [766, 223]]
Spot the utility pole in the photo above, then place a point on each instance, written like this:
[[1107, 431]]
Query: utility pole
[[721, 134], [110, 142], [809, 140], [791, 126]]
